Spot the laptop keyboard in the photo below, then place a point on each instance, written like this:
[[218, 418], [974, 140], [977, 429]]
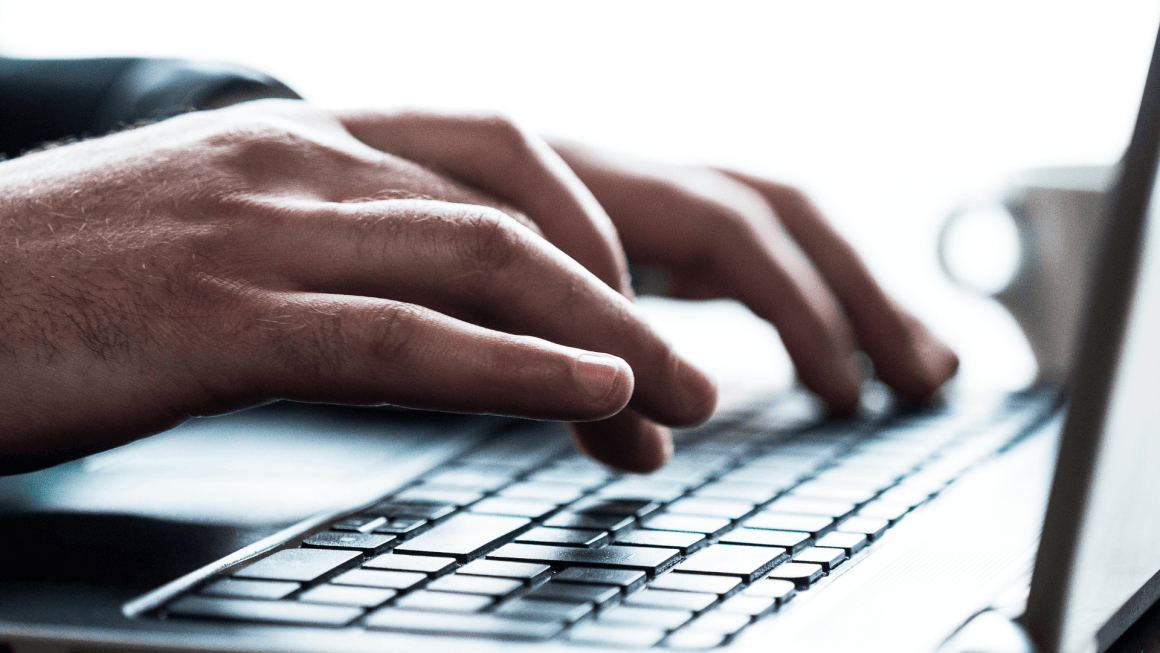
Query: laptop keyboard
[[525, 539]]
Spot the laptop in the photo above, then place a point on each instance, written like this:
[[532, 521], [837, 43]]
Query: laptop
[[909, 528]]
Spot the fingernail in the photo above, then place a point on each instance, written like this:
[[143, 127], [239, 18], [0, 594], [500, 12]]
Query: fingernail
[[596, 373]]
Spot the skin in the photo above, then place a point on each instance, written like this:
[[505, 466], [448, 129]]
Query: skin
[[225, 259]]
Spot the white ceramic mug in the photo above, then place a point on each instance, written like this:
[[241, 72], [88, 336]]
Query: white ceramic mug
[[1058, 215]]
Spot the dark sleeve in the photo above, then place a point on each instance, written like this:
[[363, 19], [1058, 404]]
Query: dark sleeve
[[45, 100]]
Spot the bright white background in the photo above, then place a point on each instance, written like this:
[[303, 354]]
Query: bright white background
[[889, 112]]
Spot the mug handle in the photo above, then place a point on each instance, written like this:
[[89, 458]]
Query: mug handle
[[1017, 287], [1020, 295]]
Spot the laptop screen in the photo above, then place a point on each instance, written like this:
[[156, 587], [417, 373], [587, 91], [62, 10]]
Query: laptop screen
[[1098, 564], [1117, 551]]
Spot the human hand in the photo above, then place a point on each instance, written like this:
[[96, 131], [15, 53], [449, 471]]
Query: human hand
[[224, 259], [725, 234]]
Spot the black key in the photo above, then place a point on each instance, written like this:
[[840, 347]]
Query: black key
[[879, 509], [850, 542], [527, 572], [726, 508], [394, 509], [773, 588], [557, 493], [711, 526], [300, 565], [404, 528], [719, 622], [802, 574], [694, 602], [808, 506], [564, 537], [629, 615], [430, 565], [580, 479], [643, 489], [826, 557], [463, 625], [815, 525], [443, 602], [600, 595], [750, 606], [871, 528], [610, 635], [752, 492], [366, 542], [748, 562], [250, 589], [852, 492], [626, 579], [464, 536], [606, 506], [777, 480], [678, 582], [360, 523], [545, 610], [696, 640], [611, 523], [785, 460], [687, 473], [363, 597], [451, 496], [686, 543], [514, 507], [392, 580], [468, 478], [649, 560], [484, 585], [868, 476], [791, 540], [282, 612]]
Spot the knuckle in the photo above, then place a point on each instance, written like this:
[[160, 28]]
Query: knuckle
[[257, 135], [729, 229], [489, 242], [390, 333], [509, 141], [271, 148], [791, 194]]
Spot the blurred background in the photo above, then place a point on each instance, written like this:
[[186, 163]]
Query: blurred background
[[890, 113]]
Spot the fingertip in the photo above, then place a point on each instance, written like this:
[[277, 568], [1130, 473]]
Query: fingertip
[[607, 381], [919, 368], [939, 364], [697, 394], [626, 442]]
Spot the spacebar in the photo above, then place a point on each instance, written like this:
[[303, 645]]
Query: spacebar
[[464, 536], [647, 559], [284, 612], [482, 625]]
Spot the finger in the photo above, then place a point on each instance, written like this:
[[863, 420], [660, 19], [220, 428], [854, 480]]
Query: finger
[[477, 264], [335, 348], [496, 155], [717, 237], [906, 355], [760, 265], [625, 441]]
